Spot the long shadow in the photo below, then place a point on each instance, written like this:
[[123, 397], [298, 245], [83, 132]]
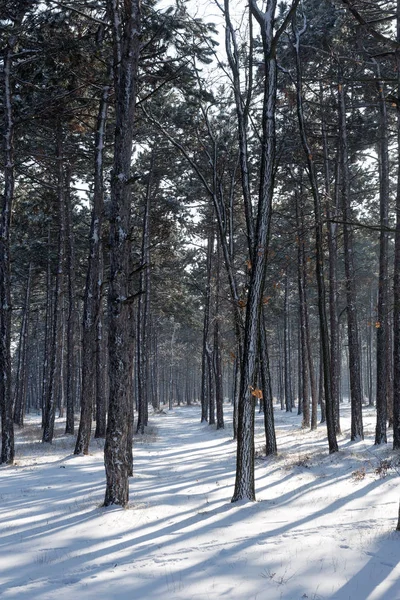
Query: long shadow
[[144, 542], [376, 577]]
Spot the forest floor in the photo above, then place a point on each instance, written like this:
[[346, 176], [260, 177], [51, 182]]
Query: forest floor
[[322, 526]]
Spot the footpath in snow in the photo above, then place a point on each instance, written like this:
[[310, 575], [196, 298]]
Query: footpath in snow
[[322, 526]]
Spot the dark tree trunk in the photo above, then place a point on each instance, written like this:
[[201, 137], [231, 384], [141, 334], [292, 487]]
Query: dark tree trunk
[[303, 354], [143, 313], [369, 384], [7, 425], [321, 391], [125, 23], [155, 391], [242, 104], [205, 388], [287, 353], [171, 388], [244, 482], [235, 391], [332, 210], [92, 301], [398, 521], [54, 372], [281, 387], [352, 322], [211, 387], [382, 325], [70, 390], [101, 371], [299, 369], [219, 396], [320, 276], [242, 107], [22, 372], [396, 283], [269, 422]]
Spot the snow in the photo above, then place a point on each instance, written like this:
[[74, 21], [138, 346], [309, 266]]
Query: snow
[[322, 526]]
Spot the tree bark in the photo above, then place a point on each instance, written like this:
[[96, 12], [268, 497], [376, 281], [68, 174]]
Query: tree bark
[[396, 280], [382, 326], [320, 276], [219, 396], [303, 355], [271, 447], [244, 481], [143, 313], [70, 390], [22, 372], [101, 382], [287, 352], [7, 425], [332, 209], [351, 297], [205, 388], [56, 325], [47, 333], [92, 300], [125, 22]]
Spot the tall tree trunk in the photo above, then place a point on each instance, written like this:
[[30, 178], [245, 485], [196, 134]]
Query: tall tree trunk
[[7, 425], [92, 301], [143, 313], [242, 104], [101, 382], [396, 280], [286, 345], [205, 388], [382, 325], [352, 322], [303, 356], [321, 390], [56, 326], [319, 251], [47, 333], [219, 396], [211, 386], [244, 481], [126, 23], [299, 368], [71, 314], [235, 391], [332, 210], [154, 377], [22, 373], [269, 422], [369, 336]]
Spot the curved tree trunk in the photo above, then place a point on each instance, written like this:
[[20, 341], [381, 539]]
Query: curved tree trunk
[[244, 482]]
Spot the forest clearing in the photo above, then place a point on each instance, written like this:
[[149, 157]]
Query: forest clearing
[[322, 527]]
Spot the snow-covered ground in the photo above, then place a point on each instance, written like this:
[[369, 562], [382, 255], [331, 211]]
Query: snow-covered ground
[[322, 526]]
